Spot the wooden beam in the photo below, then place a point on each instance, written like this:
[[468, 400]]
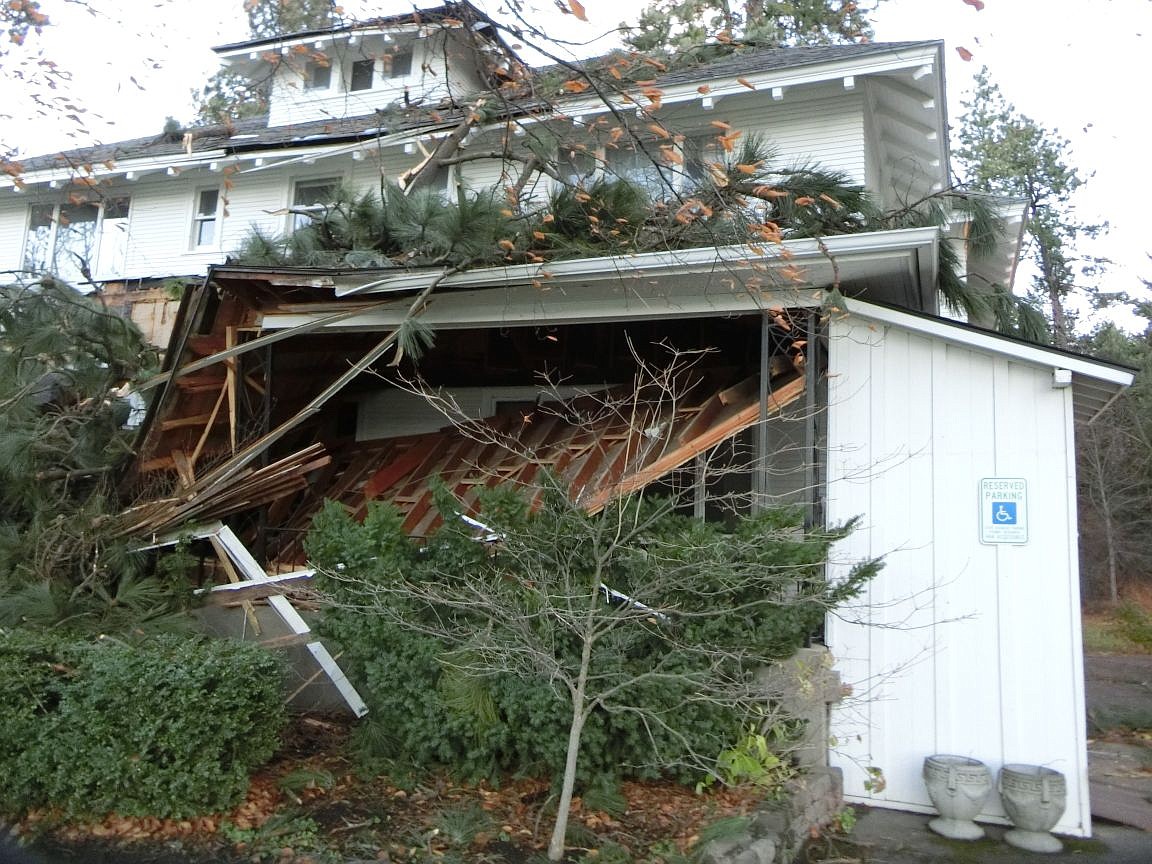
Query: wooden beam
[[208, 428], [183, 467], [221, 473], [181, 422], [230, 386], [259, 342]]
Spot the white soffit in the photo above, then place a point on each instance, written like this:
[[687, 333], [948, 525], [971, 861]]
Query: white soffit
[[1095, 384]]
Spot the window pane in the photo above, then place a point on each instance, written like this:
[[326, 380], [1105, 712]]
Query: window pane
[[205, 232], [639, 168], [317, 76], [116, 208], [313, 195], [207, 202], [74, 255], [362, 71], [576, 167], [401, 65], [37, 247], [309, 192]]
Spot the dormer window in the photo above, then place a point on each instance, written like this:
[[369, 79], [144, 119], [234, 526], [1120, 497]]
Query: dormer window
[[399, 63], [317, 75], [363, 73]]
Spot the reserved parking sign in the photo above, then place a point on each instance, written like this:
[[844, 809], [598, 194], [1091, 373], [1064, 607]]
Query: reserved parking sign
[[1004, 510]]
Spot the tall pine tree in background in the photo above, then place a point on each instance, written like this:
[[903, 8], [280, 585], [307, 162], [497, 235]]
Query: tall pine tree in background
[[228, 96], [702, 28], [1004, 152]]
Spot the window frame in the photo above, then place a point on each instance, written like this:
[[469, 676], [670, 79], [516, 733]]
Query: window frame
[[52, 240], [298, 220], [200, 218], [311, 68], [365, 62], [389, 64]]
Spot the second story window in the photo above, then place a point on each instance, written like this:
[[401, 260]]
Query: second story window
[[62, 240], [204, 220], [312, 197], [363, 73], [317, 75], [399, 63]]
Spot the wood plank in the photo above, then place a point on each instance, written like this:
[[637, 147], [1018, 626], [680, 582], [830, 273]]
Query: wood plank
[[182, 422], [207, 428], [704, 440], [183, 467], [230, 387]]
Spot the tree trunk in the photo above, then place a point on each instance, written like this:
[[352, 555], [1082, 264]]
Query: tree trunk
[[560, 830], [579, 715]]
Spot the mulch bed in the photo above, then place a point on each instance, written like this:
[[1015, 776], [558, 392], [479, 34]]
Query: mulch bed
[[309, 805]]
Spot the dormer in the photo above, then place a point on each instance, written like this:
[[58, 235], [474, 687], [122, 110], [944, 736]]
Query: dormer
[[432, 57]]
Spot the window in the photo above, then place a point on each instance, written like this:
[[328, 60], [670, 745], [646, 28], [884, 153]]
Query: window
[[646, 170], [576, 167], [362, 74], [205, 218], [317, 75], [62, 239], [399, 64], [312, 196], [112, 257]]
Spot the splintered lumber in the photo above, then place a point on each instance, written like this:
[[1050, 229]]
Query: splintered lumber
[[223, 351], [242, 490], [598, 459], [690, 446]]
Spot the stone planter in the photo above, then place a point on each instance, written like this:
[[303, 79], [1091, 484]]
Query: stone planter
[[958, 787], [1034, 798]]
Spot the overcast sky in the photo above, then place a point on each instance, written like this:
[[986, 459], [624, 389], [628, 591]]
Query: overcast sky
[[1072, 65]]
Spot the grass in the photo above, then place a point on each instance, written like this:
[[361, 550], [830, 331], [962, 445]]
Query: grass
[[1104, 633]]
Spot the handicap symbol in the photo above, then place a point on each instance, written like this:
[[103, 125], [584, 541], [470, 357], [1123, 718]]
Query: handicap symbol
[[1004, 512]]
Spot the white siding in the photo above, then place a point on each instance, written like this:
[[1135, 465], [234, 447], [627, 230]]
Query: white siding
[[431, 80], [960, 647], [827, 131], [13, 226]]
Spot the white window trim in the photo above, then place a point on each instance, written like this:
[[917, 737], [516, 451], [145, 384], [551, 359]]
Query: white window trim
[[309, 65], [338, 179], [377, 74], [197, 218], [53, 234]]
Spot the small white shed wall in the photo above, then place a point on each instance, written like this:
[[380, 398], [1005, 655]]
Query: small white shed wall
[[957, 647]]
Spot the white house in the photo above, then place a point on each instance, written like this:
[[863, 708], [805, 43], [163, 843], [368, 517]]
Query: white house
[[967, 643]]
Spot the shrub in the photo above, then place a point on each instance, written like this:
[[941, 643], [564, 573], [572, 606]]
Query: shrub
[[170, 727], [480, 682]]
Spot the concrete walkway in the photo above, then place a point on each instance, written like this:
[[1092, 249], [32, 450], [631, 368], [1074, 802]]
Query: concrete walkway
[[893, 837], [1119, 697], [1118, 691]]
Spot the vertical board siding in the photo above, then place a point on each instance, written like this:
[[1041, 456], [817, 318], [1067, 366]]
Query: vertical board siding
[[957, 647]]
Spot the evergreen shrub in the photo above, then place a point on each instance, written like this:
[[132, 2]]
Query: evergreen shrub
[[751, 592], [171, 727]]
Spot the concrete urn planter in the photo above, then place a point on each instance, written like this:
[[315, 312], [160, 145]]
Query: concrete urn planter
[[958, 787], [1034, 798]]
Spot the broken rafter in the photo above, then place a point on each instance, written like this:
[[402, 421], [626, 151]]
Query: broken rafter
[[258, 342]]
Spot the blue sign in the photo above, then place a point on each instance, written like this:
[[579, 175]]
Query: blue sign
[[1004, 512]]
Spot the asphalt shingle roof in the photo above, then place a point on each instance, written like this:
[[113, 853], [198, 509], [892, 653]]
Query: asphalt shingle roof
[[255, 134]]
